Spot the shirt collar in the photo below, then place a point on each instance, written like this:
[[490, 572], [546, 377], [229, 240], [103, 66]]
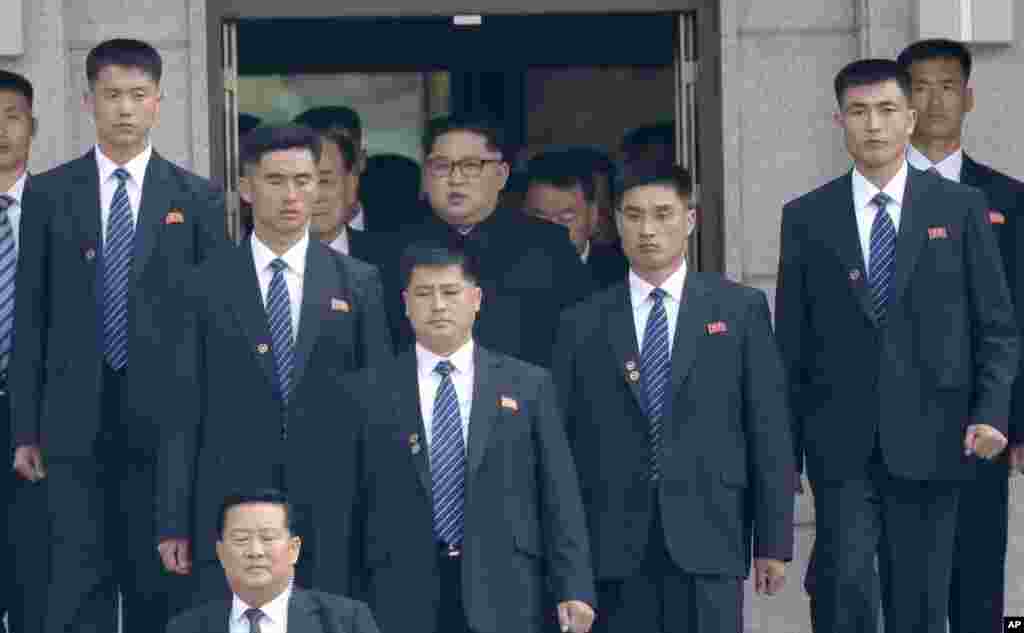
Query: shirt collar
[[275, 610], [341, 243], [18, 189], [358, 221], [640, 290], [461, 359], [586, 252], [949, 167], [295, 256], [136, 167], [864, 191]]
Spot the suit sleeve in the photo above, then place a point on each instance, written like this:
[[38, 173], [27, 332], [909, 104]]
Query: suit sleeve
[[180, 423], [1015, 257], [791, 324], [31, 317], [766, 421], [992, 322], [375, 341], [563, 364], [212, 233], [565, 531]]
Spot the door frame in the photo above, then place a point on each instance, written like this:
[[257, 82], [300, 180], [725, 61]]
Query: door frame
[[711, 233]]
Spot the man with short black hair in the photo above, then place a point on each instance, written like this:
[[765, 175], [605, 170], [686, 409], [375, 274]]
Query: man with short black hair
[[899, 338], [676, 416], [346, 122], [470, 506], [529, 270], [336, 200], [561, 188], [275, 322], [940, 71], [106, 242], [19, 542], [258, 549]]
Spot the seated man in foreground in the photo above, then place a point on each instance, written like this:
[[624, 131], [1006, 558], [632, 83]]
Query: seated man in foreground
[[258, 551]]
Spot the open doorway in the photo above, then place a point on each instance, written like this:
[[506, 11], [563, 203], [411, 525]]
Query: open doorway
[[552, 79]]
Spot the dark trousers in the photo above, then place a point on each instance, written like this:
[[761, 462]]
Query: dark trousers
[[662, 598], [979, 552], [873, 592], [102, 535], [910, 524]]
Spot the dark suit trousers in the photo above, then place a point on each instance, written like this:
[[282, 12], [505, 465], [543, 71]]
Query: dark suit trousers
[[910, 524], [662, 598], [103, 537], [873, 592], [979, 552]]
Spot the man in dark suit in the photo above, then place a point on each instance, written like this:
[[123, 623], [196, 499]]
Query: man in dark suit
[[258, 548], [346, 122], [105, 241], [471, 508], [528, 270], [898, 333], [561, 188], [677, 420], [19, 546], [275, 323], [940, 71], [336, 199]]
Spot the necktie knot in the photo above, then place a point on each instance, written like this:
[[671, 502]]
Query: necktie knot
[[121, 174], [444, 368], [6, 202], [253, 616], [658, 295], [881, 199], [278, 265]]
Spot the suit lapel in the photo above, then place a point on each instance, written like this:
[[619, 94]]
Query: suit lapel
[[247, 302], [485, 411], [841, 225], [86, 203], [694, 314], [156, 202], [911, 235], [622, 336], [303, 613], [971, 173], [318, 281], [406, 403]]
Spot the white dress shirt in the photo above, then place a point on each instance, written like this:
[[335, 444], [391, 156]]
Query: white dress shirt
[[340, 243], [586, 252], [136, 169], [949, 167], [295, 260], [274, 619], [430, 380], [358, 221], [640, 295], [14, 211], [863, 193]]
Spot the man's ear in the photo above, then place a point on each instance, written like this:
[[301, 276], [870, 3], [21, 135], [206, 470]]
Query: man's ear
[[245, 189]]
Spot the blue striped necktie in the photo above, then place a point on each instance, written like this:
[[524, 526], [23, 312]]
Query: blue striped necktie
[[883, 253], [447, 459], [655, 368], [8, 263], [279, 316], [117, 266]]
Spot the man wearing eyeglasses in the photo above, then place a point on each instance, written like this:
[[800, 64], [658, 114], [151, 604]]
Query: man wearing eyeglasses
[[529, 270]]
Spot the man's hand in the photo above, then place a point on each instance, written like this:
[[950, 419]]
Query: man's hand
[[984, 441], [28, 463], [1016, 459], [175, 554], [575, 616], [769, 576]]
